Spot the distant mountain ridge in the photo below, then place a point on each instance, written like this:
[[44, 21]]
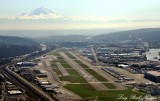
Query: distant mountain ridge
[[146, 34], [67, 38], [11, 40], [14, 46], [48, 33], [40, 11]]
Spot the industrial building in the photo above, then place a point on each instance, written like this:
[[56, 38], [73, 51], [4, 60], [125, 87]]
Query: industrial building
[[21, 64], [153, 76], [155, 91]]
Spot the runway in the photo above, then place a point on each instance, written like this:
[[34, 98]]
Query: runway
[[88, 77], [62, 69], [102, 73]]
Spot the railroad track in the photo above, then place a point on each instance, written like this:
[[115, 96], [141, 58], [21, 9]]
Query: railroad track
[[31, 91]]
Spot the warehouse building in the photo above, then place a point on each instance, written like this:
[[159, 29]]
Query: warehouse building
[[155, 91], [23, 64], [153, 76]]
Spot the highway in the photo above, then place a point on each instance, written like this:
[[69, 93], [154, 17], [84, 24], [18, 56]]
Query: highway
[[35, 93], [92, 80]]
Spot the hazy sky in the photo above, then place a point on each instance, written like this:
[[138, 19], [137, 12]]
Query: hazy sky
[[79, 14]]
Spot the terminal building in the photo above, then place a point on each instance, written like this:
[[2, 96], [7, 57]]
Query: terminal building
[[153, 76]]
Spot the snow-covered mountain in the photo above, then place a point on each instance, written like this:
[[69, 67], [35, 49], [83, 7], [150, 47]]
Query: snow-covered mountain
[[40, 11]]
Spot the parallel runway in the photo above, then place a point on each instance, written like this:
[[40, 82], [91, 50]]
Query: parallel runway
[[102, 73], [62, 69], [92, 80]]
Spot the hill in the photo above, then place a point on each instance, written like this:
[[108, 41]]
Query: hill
[[15, 46], [66, 38], [147, 35], [11, 40]]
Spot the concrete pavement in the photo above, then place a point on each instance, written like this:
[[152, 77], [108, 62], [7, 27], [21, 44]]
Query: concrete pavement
[[84, 73]]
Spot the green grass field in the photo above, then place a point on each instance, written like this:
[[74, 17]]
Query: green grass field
[[87, 91], [56, 53], [61, 61], [74, 77], [59, 57], [54, 66], [58, 72], [78, 61], [92, 72], [66, 65], [96, 75], [83, 65], [110, 85], [70, 55]]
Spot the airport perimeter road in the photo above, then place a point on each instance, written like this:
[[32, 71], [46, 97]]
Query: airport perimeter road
[[92, 80], [102, 73], [62, 69]]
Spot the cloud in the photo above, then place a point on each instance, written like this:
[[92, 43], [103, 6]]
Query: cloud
[[41, 16], [39, 13], [42, 13]]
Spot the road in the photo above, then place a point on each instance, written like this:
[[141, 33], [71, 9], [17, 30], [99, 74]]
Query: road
[[102, 73], [92, 80]]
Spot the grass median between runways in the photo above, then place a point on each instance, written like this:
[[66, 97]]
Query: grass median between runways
[[78, 61], [56, 54], [110, 85], [74, 77], [87, 91], [53, 65], [96, 75], [61, 61], [70, 55], [59, 57], [55, 68], [58, 72], [81, 64], [66, 65]]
